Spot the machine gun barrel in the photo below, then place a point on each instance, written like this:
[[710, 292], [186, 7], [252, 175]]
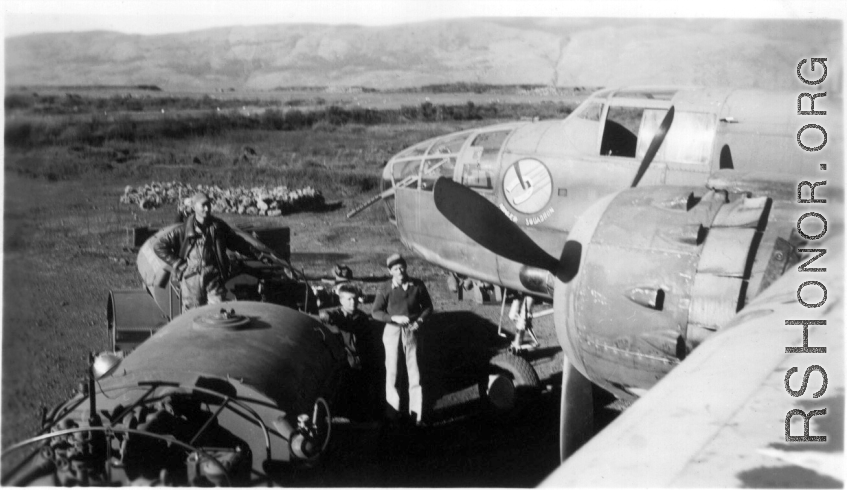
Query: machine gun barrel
[[361, 207], [390, 192]]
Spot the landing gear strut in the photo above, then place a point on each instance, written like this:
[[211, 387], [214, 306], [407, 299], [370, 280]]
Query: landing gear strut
[[521, 314]]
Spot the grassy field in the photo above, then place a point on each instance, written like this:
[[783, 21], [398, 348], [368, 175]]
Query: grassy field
[[338, 149], [340, 163], [299, 98]]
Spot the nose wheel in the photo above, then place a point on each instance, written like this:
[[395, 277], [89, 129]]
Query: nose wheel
[[512, 383]]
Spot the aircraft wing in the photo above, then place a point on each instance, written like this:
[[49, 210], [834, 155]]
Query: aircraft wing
[[718, 419]]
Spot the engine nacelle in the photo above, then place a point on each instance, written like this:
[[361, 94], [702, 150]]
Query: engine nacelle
[[661, 269]]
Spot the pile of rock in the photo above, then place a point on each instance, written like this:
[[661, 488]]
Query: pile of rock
[[261, 201]]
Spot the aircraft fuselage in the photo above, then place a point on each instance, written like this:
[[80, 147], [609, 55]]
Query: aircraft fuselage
[[543, 175]]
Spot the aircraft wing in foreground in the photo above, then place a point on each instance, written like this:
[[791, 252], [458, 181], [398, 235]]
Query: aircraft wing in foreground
[[719, 417], [697, 284]]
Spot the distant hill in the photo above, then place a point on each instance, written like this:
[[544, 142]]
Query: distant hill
[[559, 52]]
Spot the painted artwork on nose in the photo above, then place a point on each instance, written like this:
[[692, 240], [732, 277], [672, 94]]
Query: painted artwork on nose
[[528, 185]]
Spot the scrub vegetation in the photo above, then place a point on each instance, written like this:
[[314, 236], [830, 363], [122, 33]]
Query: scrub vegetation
[[338, 149]]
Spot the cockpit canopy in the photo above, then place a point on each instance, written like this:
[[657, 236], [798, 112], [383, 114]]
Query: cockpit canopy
[[475, 152], [611, 122], [630, 118], [614, 126]]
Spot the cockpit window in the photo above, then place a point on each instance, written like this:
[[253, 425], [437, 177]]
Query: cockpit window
[[449, 145], [480, 169], [435, 167], [620, 134], [590, 111], [406, 174], [416, 150], [441, 159], [580, 129], [689, 139]]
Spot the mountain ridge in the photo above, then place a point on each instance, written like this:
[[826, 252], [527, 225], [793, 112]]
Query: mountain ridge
[[557, 52]]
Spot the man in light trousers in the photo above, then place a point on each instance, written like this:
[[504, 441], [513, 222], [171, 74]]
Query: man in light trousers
[[403, 303]]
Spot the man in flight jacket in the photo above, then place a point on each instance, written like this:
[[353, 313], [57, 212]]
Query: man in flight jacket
[[196, 253]]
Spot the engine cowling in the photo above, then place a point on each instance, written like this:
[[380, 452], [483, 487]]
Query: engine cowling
[[661, 269]]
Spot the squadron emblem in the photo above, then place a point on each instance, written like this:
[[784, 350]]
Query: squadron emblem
[[528, 185]]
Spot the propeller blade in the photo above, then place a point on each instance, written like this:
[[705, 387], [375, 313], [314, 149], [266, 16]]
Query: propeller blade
[[654, 146], [481, 220]]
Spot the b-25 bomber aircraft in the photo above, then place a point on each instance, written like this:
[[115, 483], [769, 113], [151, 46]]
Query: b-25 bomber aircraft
[[655, 219], [544, 175]]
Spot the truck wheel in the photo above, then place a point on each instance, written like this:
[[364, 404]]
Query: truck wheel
[[512, 382]]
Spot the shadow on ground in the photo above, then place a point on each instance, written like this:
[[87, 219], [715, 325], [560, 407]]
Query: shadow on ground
[[463, 445]]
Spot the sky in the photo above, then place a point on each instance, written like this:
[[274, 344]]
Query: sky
[[171, 16]]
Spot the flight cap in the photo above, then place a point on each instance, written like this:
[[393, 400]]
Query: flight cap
[[199, 197], [395, 259]]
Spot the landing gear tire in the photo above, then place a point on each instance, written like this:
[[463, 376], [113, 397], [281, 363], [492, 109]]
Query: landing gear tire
[[512, 382], [576, 419]]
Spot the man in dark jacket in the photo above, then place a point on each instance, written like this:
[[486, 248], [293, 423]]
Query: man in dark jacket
[[196, 253], [403, 303], [360, 385]]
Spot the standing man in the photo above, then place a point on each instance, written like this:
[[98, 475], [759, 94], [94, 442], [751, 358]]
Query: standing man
[[196, 252], [403, 303], [359, 387]]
